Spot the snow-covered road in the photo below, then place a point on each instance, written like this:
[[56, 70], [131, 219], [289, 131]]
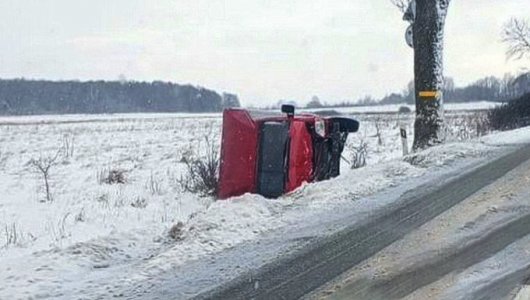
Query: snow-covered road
[[476, 250]]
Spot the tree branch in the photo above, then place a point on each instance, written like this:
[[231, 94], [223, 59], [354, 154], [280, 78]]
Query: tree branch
[[516, 34], [402, 5]]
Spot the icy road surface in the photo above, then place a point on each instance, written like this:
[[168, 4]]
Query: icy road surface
[[476, 250]]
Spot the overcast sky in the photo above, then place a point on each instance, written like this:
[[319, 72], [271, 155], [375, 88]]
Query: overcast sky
[[263, 50]]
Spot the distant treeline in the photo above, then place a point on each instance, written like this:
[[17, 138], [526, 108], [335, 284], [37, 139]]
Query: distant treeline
[[26, 97], [486, 89]]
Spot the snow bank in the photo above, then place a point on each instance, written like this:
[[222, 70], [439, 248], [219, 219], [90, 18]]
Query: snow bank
[[94, 233], [524, 293]]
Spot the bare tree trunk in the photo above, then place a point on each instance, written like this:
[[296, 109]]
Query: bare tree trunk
[[47, 184], [43, 165], [428, 31]]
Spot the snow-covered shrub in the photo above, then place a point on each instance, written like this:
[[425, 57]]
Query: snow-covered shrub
[[112, 176], [511, 115], [139, 202], [176, 231], [43, 165], [378, 124], [480, 123], [186, 155], [12, 235], [68, 146], [416, 159], [57, 230], [467, 126], [359, 154], [154, 185], [202, 173], [404, 110]]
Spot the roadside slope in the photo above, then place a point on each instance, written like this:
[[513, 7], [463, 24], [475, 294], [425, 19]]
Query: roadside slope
[[313, 266]]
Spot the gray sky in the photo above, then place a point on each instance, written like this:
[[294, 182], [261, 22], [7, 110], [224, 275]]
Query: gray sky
[[262, 50]]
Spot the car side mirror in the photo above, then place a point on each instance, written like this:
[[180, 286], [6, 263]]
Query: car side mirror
[[288, 109]]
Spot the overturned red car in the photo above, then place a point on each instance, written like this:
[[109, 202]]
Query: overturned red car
[[272, 154]]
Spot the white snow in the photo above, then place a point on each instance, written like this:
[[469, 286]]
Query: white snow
[[391, 108], [524, 293], [510, 260], [92, 231], [82, 118]]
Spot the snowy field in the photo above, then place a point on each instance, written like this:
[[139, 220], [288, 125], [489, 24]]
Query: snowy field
[[390, 108], [90, 231]]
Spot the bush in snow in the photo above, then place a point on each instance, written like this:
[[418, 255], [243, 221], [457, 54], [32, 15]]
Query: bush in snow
[[176, 231], [202, 174], [378, 124], [112, 176], [139, 202], [404, 110], [511, 115], [43, 166], [154, 185], [12, 235], [468, 126], [186, 155], [359, 154], [68, 146]]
